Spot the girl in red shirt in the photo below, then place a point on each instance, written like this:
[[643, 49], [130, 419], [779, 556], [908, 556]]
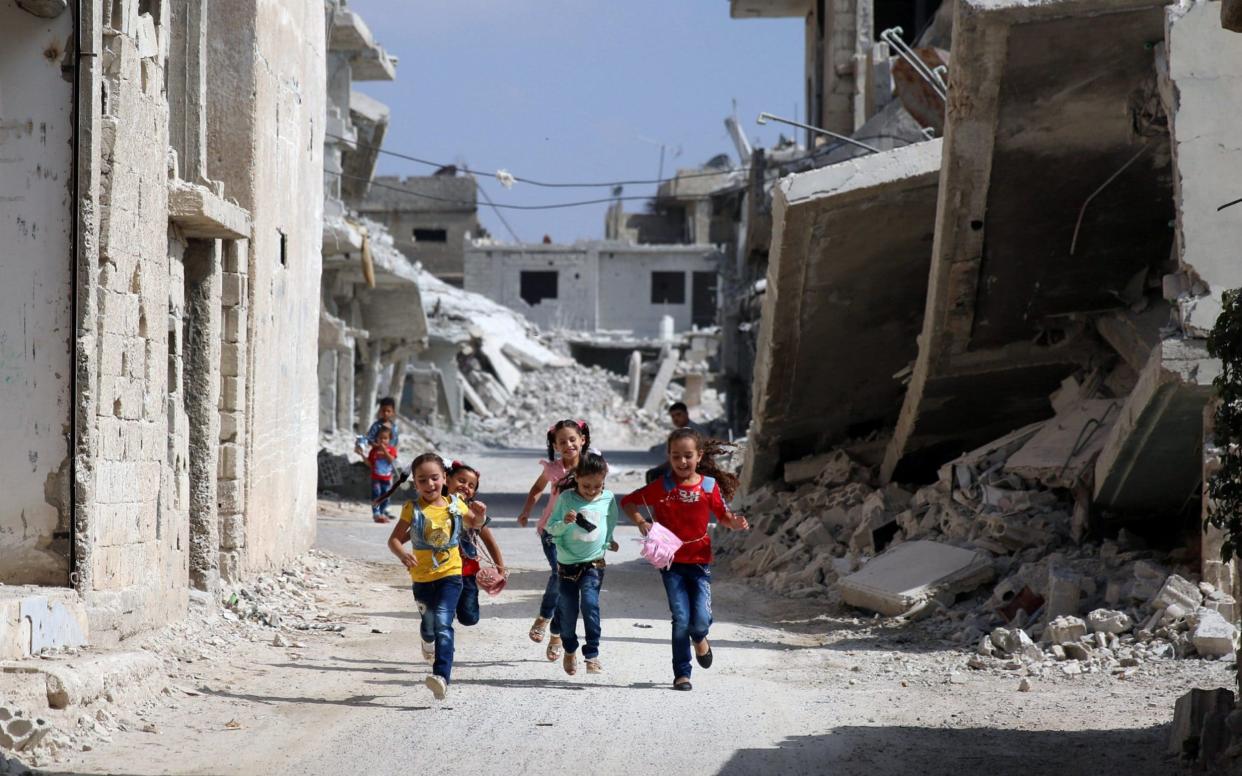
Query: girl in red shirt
[[683, 501]]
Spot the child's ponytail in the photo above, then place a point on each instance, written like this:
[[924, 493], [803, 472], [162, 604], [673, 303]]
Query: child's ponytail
[[710, 448]]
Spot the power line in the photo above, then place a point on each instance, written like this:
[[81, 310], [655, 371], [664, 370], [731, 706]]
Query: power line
[[533, 182], [467, 202], [499, 214]]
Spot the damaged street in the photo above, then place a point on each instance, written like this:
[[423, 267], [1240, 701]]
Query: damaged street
[[733, 387]]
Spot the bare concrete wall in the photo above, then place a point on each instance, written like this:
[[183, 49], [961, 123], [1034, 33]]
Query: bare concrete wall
[[36, 324], [274, 55]]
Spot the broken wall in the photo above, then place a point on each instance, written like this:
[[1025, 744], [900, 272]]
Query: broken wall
[[36, 303]]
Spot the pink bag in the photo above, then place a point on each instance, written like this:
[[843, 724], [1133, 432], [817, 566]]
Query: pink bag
[[491, 580], [659, 546]]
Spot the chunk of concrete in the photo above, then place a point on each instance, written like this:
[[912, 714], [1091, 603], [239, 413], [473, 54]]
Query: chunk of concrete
[[1177, 590], [1213, 636], [1061, 453], [1109, 621], [912, 573], [1189, 714], [1063, 630], [808, 468], [654, 402]]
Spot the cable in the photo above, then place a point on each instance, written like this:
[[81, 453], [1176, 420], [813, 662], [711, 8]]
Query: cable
[[531, 181], [450, 200], [499, 214]]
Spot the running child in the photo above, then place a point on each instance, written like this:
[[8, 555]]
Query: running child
[[463, 481], [582, 525], [433, 524], [385, 415], [383, 461], [566, 438], [683, 500]]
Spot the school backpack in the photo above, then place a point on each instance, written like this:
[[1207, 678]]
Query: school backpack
[[438, 544], [708, 484]]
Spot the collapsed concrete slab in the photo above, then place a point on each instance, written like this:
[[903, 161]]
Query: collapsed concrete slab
[[1150, 461], [1055, 195], [845, 291], [912, 573], [1066, 446]]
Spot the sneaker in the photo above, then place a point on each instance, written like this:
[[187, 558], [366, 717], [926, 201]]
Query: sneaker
[[593, 666], [429, 651], [437, 685]]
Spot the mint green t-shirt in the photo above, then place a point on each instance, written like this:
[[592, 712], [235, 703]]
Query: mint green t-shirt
[[573, 544]]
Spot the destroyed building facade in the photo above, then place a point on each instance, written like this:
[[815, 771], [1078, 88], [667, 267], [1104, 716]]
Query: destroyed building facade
[[432, 218], [162, 283], [591, 286]]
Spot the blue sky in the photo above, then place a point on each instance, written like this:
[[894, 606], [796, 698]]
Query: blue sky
[[576, 90]]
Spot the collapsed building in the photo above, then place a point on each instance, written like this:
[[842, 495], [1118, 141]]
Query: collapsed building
[[162, 272]]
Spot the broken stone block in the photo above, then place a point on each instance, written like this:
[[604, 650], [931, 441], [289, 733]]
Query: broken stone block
[[1147, 581], [1213, 635], [1189, 715], [1109, 621], [836, 468], [1076, 651], [912, 573], [1065, 629], [1016, 643], [1064, 591], [1177, 590]]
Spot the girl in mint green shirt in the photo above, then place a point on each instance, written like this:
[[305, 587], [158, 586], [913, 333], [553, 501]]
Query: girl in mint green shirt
[[582, 523]]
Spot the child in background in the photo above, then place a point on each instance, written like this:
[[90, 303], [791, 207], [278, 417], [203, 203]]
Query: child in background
[[568, 438], [433, 524], [385, 415], [582, 524], [463, 481], [383, 462], [683, 500]]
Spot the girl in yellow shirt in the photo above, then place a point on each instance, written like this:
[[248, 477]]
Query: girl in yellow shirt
[[433, 524]]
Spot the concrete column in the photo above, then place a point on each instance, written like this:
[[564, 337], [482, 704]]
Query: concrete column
[[202, 399], [369, 390], [327, 390], [396, 386], [636, 378], [694, 389], [452, 401], [345, 388], [187, 87]]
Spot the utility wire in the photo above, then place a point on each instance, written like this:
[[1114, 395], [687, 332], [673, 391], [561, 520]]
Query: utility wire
[[533, 182], [450, 200], [498, 212]]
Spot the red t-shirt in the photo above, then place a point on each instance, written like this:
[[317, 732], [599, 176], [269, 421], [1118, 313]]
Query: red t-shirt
[[381, 467], [684, 510]]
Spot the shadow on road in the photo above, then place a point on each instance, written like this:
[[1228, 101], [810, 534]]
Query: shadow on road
[[880, 750]]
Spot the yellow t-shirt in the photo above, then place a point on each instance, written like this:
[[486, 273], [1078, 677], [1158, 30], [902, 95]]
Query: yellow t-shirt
[[435, 519]]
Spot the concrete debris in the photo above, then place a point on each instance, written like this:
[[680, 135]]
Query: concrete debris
[[1065, 629], [1201, 725], [913, 573], [1214, 636], [1109, 621]]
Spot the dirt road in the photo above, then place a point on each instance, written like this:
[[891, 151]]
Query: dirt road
[[793, 691]]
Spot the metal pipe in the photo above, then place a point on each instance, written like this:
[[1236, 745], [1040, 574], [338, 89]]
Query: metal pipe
[[764, 118], [892, 37]]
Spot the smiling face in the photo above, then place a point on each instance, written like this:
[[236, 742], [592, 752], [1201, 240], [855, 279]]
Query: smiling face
[[429, 481], [683, 457], [591, 485], [569, 446], [464, 483]]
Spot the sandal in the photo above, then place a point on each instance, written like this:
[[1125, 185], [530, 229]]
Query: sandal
[[538, 629], [682, 683], [593, 666], [554, 648], [571, 663]]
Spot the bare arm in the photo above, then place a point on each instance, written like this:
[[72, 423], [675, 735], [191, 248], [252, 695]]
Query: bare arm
[[532, 498], [489, 541], [396, 543]]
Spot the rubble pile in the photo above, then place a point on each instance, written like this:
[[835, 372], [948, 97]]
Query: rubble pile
[[931, 552], [288, 599], [585, 393]]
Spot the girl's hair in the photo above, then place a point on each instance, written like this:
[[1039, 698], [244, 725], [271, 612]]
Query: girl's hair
[[456, 467], [428, 458], [710, 448], [590, 463], [577, 425]]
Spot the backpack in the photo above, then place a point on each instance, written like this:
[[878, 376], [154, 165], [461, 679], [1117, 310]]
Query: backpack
[[708, 484], [418, 533]]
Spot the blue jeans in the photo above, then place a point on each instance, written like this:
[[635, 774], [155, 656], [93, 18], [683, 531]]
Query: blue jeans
[[689, 590], [379, 488], [437, 603], [468, 604], [584, 591], [551, 591]]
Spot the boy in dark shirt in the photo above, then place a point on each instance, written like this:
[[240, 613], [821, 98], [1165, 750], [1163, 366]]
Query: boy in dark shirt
[[385, 415]]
